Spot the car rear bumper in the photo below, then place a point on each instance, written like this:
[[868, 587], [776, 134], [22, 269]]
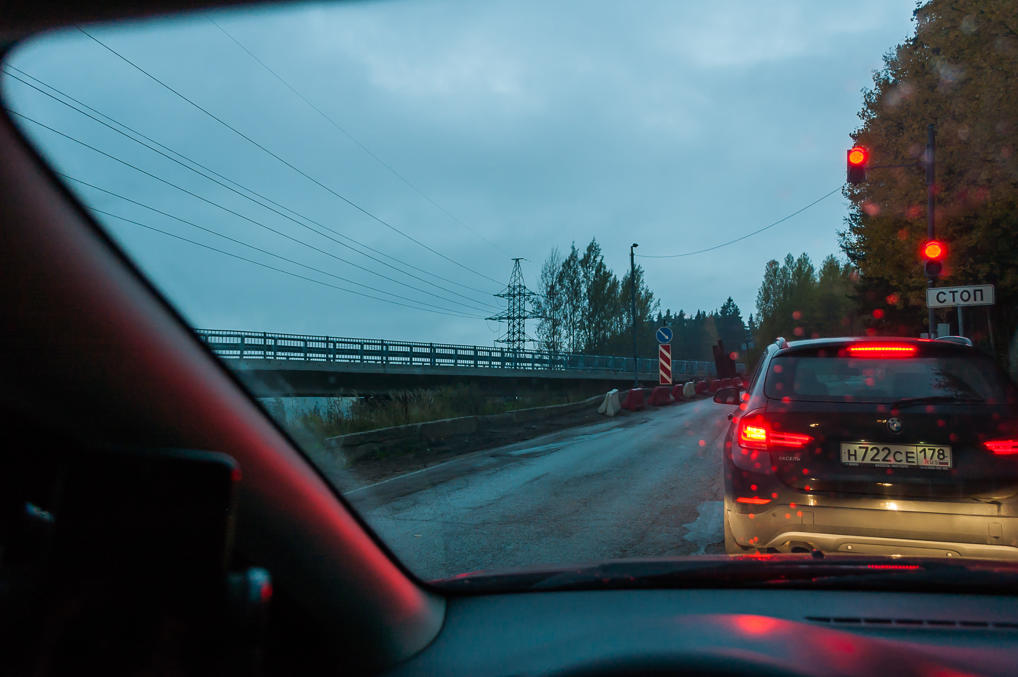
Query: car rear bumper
[[868, 531], [888, 547]]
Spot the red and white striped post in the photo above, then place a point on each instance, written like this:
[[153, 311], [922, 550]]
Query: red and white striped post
[[664, 362]]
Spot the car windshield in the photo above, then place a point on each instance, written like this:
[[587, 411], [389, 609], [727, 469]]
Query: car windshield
[[514, 275], [846, 379]]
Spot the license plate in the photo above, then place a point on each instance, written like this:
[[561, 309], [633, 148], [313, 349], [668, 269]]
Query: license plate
[[896, 455]]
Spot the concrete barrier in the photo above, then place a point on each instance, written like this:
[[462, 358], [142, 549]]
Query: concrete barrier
[[701, 387], [634, 399], [677, 394], [611, 404], [661, 395], [689, 390]]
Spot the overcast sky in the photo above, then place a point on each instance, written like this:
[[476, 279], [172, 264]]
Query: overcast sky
[[481, 131]]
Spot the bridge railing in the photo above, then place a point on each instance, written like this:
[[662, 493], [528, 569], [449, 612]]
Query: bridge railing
[[310, 348]]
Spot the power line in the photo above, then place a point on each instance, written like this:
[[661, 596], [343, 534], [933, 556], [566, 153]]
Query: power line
[[350, 136], [283, 161], [247, 197], [291, 273], [251, 246], [231, 211], [743, 237]]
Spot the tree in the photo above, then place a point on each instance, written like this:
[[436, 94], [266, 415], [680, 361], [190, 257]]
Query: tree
[[570, 284], [834, 308], [730, 326], [646, 305], [551, 305], [797, 301], [956, 72], [602, 298]]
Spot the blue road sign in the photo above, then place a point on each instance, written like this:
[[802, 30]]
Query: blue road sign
[[664, 335]]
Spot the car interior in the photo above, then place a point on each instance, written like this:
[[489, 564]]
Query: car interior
[[156, 521]]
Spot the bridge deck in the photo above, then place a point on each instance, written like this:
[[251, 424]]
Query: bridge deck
[[312, 364]]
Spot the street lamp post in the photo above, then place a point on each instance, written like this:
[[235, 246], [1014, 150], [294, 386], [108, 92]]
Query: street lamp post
[[632, 299]]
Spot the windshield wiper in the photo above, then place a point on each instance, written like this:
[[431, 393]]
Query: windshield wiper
[[757, 571], [931, 399]]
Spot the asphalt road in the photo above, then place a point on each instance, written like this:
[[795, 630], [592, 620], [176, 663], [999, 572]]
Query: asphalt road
[[642, 485]]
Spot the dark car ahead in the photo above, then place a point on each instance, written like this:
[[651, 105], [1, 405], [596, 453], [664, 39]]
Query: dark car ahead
[[873, 446]]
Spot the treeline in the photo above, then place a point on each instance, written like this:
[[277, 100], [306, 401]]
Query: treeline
[[797, 300], [692, 335], [586, 308], [583, 305]]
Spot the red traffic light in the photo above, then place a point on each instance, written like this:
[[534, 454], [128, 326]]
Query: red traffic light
[[933, 253], [858, 158], [934, 250]]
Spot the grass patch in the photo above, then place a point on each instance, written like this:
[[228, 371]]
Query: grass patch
[[411, 406]]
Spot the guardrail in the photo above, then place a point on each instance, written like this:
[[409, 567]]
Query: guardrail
[[308, 348]]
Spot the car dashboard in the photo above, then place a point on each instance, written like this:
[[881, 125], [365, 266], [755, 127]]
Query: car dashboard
[[723, 632]]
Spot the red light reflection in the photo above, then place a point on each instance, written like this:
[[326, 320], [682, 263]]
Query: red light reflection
[[755, 625]]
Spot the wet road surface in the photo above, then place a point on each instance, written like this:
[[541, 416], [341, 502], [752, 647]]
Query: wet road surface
[[643, 485]]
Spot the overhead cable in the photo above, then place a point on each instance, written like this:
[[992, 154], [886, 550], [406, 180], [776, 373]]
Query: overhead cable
[[280, 159], [226, 209], [249, 190], [246, 244], [743, 237], [293, 274]]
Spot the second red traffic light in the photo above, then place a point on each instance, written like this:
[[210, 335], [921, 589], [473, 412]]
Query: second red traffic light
[[933, 252]]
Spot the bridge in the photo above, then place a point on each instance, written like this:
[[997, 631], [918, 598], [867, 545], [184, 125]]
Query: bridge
[[308, 365]]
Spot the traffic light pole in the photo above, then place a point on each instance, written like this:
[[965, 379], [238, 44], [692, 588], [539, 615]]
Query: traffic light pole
[[930, 174], [858, 163]]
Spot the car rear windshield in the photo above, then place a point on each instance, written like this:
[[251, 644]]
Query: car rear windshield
[[841, 379]]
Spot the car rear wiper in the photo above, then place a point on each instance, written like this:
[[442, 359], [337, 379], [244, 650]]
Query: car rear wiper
[[932, 399]]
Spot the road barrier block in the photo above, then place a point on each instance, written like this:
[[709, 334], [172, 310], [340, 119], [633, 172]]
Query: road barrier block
[[701, 387], [634, 400], [677, 393], [715, 384], [661, 395], [689, 390], [611, 405]]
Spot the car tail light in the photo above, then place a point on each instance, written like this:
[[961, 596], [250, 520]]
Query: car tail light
[[753, 435], [882, 350], [756, 433], [756, 437], [1002, 447], [752, 500]]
